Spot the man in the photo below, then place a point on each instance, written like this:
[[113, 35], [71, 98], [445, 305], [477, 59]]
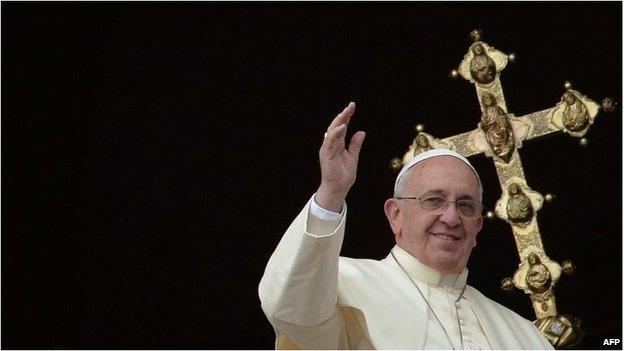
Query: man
[[415, 298]]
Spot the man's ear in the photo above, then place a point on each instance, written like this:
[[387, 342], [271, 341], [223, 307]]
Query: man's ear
[[393, 213], [479, 223], [479, 226]]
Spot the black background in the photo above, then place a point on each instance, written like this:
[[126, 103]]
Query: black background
[[154, 153]]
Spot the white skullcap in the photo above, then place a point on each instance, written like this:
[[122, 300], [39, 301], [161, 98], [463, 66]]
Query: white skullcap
[[435, 153]]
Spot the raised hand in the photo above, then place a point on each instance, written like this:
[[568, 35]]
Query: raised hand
[[338, 163]]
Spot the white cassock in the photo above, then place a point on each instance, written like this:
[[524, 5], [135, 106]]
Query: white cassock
[[317, 300]]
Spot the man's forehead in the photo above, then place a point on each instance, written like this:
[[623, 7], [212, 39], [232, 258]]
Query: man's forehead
[[435, 155], [438, 168], [441, 164]]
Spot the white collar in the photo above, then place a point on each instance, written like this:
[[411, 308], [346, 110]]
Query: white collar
[[428, 275]]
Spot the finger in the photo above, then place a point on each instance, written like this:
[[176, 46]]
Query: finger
[[334, 141], [343, 117], [348, 113], [336, 136], [356, 144]]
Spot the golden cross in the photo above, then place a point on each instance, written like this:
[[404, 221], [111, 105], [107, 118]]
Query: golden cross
[[500, 135]]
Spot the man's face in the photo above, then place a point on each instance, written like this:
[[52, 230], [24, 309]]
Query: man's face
[[441, 241], [486, 74], [477, 49], [488, 99]]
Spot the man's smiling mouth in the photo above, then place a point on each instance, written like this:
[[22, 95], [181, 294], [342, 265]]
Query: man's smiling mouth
[[446, 236]]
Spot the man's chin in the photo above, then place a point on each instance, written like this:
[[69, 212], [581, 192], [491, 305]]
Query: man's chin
[[447, 262]]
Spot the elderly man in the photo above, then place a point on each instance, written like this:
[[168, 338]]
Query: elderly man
[[417, 297]]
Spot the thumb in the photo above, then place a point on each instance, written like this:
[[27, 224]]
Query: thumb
[[356, 144]]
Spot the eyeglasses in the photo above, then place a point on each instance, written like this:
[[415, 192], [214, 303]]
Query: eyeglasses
[[437, 205]]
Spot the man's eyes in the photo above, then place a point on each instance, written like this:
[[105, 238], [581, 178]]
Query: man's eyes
[[465, 204], [435, 200]]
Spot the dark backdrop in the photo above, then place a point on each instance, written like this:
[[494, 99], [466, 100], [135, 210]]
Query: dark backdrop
[[153, 154]]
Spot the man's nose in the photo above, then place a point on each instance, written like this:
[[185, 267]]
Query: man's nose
[[451, 216]]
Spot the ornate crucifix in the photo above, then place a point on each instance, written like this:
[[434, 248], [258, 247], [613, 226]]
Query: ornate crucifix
[[500, 135]]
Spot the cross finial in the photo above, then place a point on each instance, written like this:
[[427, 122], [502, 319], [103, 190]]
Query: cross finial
[[476, 34]]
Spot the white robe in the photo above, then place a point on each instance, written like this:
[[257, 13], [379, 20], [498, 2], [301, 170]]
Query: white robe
[[317, 300]]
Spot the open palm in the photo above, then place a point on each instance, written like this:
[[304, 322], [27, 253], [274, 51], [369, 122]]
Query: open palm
[[338, 162]]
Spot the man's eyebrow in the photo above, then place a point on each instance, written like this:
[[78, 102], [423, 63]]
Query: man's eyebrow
[[466, 197], [435, 192], [442, 193]]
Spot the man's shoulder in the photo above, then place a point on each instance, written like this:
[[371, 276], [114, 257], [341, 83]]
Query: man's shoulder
[[487, 303], [497, 318], [362, 266], [362, 280], [361, 262]]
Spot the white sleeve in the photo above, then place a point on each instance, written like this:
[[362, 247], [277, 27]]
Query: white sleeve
[[324, 214], [321, 222], [299, 288]]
